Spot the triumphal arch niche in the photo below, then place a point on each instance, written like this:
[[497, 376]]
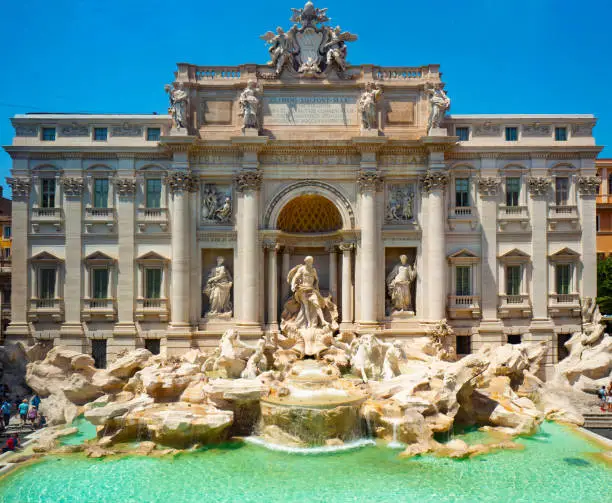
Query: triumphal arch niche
[[312, 168]]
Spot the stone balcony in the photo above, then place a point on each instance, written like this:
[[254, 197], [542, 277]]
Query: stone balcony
[[151, 309], [513, 218], [95, 217], [514, 306], [567, 304], [51, 217], [47, 309], [462, 218], [104, 309], [463, 306], [563, 217], [154, 218]]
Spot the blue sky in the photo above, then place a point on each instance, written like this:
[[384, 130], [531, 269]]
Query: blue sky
[[521, 56]]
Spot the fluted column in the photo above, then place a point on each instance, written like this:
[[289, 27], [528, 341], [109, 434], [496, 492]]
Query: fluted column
[[369, 183], [434, 184], [285, 267], [333, 273], [180, 184], [346, 306], [588, 188], [272, 249], [248, 183]]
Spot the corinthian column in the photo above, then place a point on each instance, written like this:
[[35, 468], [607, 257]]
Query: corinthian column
[[346, 307], [369, 183], [434, 185], [248, 183], [180, 183]]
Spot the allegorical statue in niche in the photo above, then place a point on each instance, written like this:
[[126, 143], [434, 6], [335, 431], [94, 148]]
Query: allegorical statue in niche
[[250, 106], [304, 283], [439, 103], [399, 283], [282, 47], [178, 104], [367, 105], [218, 288]]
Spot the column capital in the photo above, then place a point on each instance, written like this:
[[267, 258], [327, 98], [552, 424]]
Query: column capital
[[369, 181], [248, 180], [126, 187], [331, 247], [271, 245], [20, 187], [589, 185], [488, 186], [182, 181], [538, 185], [434, 180], [346, 247], [73, 187]]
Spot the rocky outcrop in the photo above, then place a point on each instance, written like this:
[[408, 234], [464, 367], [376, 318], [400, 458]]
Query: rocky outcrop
[[588, 359], [165, 383]]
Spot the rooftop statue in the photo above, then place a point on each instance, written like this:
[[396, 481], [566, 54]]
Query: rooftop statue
[[178, 104], [308, 49], [439, 103], [250, 106]]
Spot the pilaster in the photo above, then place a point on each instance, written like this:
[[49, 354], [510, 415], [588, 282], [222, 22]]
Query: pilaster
[[588, 188]]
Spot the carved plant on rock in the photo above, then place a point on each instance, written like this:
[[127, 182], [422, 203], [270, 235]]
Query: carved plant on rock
[[441, 335]]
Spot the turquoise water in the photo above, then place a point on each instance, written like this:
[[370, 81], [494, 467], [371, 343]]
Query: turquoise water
[[86, 431], [554, 467]]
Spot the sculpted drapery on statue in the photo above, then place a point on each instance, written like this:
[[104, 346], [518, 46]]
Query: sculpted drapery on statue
[[439, 103], [218, 288], [178, 104], [367, 105], [399, 284], [304, 283], [250, 106]]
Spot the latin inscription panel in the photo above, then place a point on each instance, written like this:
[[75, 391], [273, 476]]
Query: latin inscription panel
[[323, 110]]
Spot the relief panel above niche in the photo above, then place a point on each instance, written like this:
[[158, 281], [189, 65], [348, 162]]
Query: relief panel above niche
[[215, 112], [400, 112]]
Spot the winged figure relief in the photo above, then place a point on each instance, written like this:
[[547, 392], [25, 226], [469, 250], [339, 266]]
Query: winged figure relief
[[282, 47]]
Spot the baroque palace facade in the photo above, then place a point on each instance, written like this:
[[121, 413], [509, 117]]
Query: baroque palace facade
[[165, 230]]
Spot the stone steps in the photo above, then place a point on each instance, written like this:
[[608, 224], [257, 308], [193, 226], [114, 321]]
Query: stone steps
[[598, 420]]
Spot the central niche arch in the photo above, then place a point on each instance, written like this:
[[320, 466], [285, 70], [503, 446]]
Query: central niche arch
[[309, 213], [330, 207]]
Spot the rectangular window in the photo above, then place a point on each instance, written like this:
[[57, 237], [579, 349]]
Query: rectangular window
[[7, 253], [513, 280], [98, 353], [47, 284], [597, 223], [48, 134], [513, 191], [99, 285], [462, 192], [560, 134], [463, 133], [153, 283], [100, 193], [6, 232], [100, 134], [153, 193], [463, 283], [511, 134], [561, 190], [47, 193], [153, 133], [563, 278]]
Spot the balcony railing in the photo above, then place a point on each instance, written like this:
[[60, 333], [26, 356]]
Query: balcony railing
[[565, 298], [104, 308], [514, 299], [464, 300], [152, 308], [463, 306], [47, 213], [99, 213], [461, 211], [148, 216], [512, 211], [562, 209], [53, 308]]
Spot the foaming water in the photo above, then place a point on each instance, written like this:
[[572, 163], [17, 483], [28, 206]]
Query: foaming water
[[322, 449]]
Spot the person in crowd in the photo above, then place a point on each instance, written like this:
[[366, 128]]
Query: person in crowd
[[6, 412], [609, 397], [12, 443], [41, 421], [35, 401], [602, 394], [23, 411], [33, 414]]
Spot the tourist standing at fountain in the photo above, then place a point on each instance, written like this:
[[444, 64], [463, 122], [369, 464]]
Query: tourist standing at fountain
[[23, 411], [6, 412]]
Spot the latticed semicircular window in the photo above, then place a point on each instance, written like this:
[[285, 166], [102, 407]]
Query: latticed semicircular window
[[309, 213]]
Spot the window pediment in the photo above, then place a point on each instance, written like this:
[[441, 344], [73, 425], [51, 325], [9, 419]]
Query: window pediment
[[463, 256], [152, 258], [46, 257], [515, 256], [99, 258], [565, 255]]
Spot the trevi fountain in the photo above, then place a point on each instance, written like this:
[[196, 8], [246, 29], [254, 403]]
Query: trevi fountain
[[326, 403]]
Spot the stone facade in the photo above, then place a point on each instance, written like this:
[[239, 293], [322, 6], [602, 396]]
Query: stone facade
[[486, 208]]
